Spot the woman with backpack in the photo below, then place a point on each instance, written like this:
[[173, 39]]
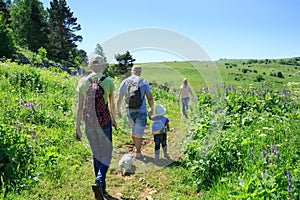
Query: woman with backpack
[[96, 108]]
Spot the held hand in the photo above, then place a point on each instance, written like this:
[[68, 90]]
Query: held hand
[[150, 113], [78, 135]]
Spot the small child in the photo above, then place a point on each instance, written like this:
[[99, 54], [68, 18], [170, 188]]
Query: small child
[[160, 127]]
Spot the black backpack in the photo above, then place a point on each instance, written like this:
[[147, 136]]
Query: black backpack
[[96, 112], [133, 98]]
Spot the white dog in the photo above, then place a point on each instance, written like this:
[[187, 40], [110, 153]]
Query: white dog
[[125, 164]]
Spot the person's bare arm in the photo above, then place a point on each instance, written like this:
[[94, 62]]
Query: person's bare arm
[[79, 115], [151, 104], [111, 102], [119, 103], [179, 94], [167, 126]]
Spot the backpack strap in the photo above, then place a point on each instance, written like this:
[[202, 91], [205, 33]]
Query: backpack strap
[[96, 79], [103, 78]]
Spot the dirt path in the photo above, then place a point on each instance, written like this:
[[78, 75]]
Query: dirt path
[[147, 177]]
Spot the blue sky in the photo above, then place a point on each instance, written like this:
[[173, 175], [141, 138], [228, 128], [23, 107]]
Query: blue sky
[[232, 29]]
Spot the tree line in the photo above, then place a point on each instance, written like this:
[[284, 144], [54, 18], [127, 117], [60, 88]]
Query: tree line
[[27, 24]]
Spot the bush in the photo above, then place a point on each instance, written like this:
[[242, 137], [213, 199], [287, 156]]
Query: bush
[[239, 137], [16, 157]]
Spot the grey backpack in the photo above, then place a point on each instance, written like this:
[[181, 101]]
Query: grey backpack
[[134, 98]]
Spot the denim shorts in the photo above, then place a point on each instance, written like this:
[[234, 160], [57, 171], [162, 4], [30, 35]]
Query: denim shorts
[[137, 121]]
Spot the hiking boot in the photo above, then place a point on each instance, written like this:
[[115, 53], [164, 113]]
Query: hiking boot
[[108, 196], [97, 188]]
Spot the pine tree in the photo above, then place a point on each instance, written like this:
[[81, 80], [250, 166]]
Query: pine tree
[[62, 26], [7, 45], [125, 62], [28, 20], [99, 50], [4, 10]]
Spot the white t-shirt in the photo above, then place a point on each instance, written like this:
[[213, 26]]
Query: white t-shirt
[[185, 91]]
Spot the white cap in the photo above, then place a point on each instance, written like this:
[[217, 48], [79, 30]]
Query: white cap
[[160, 110]]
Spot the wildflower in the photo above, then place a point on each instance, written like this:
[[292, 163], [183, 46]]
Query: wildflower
[[259, 91], [252, 92], [273, 149], [223, 85], [289, 186], [262, 152], [21, 102], [29, 104], [267, 157], [288, 175], [252, 152], [262, 135], [263, 173]]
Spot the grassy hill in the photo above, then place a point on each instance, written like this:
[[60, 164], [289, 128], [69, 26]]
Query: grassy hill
[[40, 158], [231, 72]]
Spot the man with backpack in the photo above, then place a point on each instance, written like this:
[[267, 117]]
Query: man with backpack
[[96, 108], [135, 89]]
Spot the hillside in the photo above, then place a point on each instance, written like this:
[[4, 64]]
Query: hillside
[[40, 158]]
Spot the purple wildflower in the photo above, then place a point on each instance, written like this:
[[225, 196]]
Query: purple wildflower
[[289, 185], [267, 157], [252, 92], [288, 175], [206, 89], [273, 149], [252, 152], [263, 173], [29, 104], [262, 152], [223, 86], [234, 89], [259, 91], [277, 159]]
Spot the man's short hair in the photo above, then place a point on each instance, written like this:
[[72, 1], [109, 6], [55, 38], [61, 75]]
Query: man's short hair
[[136, 69]]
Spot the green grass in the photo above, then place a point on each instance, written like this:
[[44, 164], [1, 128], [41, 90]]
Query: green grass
[[61, 167]]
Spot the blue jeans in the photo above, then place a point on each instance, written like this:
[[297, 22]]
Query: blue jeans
[[100, 140], [160, 139], [138, 122], [185, 106]]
